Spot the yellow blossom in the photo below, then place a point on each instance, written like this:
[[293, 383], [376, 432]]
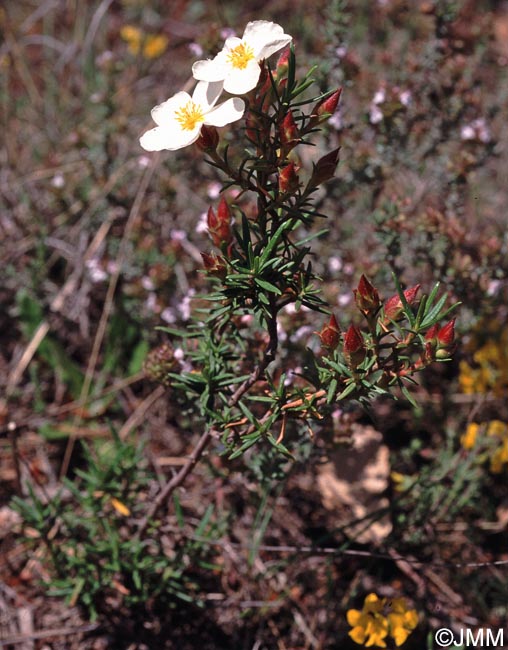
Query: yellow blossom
[[489, 373], [370, 627], [378, 619], [120, 507], [497, 447], [468, 440], [155, 45], [497, 428], [499, 458], [151, 46], [402, 621]]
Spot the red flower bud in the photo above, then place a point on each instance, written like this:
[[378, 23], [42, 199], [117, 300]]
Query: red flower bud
[[366, 296], [282, 63], [223, 212], [446, 334], [353, 339], [431, 334], [324, 108], [330, 334], [219, 225], [393, 306], [328, 105], [208, 138], [288, 179], [214, 265], [324, 169], [288, 131]]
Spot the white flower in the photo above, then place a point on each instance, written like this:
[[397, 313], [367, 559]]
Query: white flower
[[181, 117], [237, 65]]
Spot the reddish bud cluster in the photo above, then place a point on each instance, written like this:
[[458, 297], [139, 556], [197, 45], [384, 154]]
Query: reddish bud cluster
[[324, 109], [219, 224], [354, 346], [324, 169], [288, 131], [393, 307], [288, 179], [282, 64], [366, 297], [214, 265], [208, 139], [330, 334], [440, 340]]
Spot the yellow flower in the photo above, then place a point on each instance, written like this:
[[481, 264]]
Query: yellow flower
[[499, 458], [150, 46], [489, 345], [402, 621], [120, 507], [370, 627], [497, 428], [133, 37], [468, 440], [497, 447], [401, 482], [155, 45]]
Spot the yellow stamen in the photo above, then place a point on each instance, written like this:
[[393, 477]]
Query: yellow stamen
[[190, 115], [240, 56]]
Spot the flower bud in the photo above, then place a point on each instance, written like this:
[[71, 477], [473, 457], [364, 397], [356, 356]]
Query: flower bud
[[330, 334], [264, 90], [288, 179], [214, 265], [325, 108], [431, 335], [446, 334], [366, 296], [354, 347], [288, 131], [324, 169], [219, 225], [393, 306], [282, 66], [208, 138]]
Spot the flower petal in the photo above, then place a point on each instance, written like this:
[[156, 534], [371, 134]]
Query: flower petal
[[358, 635], [353, 617], [229, 111], [165, 112], [265, 38], [206, 94], [209, 70], [163, 138], [239, 81]]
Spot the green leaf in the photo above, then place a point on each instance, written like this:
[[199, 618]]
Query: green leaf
[[347, 391], [408, 396], [274, 240], [267, 286]]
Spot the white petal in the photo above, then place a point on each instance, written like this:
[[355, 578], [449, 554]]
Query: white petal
[[239, 81], [273, 46], [229, 111], [231, 43], [208, 70], [162, 138], [207, 93], [265, 38], [164, 112]]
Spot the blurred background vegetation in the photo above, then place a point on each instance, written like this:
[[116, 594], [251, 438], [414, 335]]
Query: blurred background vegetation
[[100, 244]]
